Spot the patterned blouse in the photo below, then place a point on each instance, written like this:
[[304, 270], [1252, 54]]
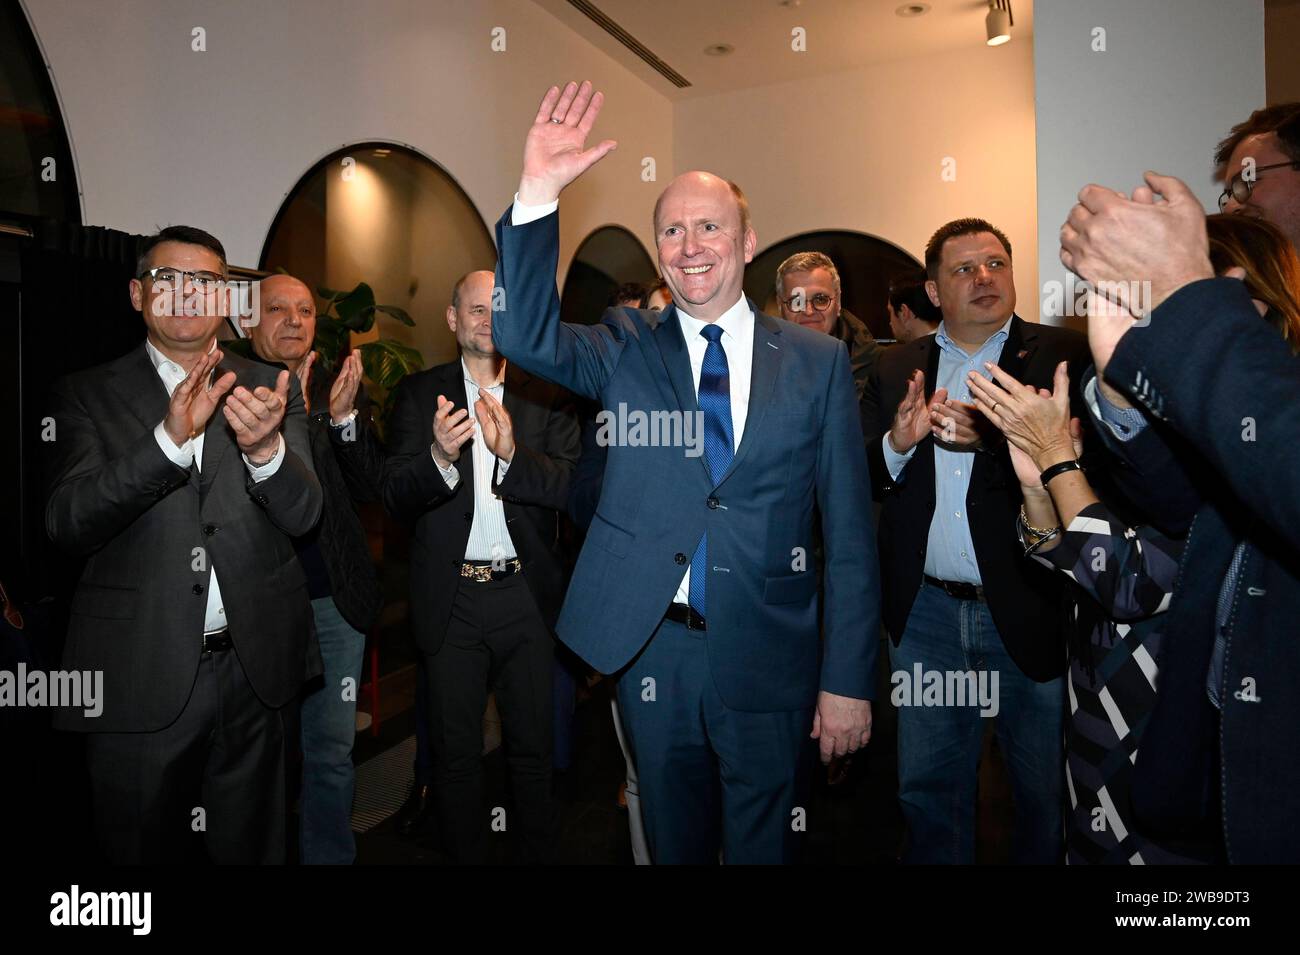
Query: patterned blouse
[[1130, 572]]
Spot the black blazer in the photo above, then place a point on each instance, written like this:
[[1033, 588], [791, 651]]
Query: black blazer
[[116, 499], [1027, 601], [534, 490], [350, 473]]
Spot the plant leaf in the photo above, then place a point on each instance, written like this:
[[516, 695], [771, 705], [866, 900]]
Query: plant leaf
[[398, 313]]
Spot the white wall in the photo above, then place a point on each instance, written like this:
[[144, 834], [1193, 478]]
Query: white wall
[[885, 133], [163, 134], [1174, 77]]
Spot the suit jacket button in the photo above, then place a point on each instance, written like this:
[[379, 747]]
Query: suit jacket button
[[713, 503], [679, 558], [469, 515], [455, 562], [196, 589], [209, 529]]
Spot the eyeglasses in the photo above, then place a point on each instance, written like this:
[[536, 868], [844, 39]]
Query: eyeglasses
[[820, 302], [1239, 187], [169, 278]]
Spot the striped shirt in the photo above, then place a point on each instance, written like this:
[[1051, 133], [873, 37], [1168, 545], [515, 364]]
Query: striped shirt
[[489, 538]]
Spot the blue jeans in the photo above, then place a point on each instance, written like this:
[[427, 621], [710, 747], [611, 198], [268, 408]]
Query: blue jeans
[[939, 745], [329, 728]]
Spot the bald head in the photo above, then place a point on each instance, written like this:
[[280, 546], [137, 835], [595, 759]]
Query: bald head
[[704, 239], [709, 180], [286, 320]]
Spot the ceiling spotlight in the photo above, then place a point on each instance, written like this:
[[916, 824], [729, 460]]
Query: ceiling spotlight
[[912, 10], [719, 49], [998, 23]]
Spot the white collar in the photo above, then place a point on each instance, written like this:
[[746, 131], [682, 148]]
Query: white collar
[[734, 321], [470, 378]]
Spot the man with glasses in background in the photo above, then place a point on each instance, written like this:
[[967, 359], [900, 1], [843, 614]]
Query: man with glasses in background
[[192, 602], [808, 290], [1259, 163]]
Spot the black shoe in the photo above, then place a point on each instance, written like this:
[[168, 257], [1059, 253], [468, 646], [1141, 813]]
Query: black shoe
[[416, 811]]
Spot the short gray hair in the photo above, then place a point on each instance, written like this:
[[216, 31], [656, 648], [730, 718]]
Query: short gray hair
[[805, 262]]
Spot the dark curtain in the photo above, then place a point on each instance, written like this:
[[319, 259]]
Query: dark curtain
[[67, 308]]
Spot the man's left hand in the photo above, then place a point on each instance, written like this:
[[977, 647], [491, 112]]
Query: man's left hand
[[842, 724], [958, 425], [255, 417], [497, 429], [343, 393]]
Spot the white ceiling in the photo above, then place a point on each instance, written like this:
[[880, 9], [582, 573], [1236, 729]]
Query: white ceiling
[[840, 34]]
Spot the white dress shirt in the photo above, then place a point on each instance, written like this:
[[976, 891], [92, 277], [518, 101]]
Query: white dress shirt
[[489, 537], [191, 453]]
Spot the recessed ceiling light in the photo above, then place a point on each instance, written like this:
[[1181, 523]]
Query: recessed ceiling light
[[913, 10], [719, 49], [382, 152]]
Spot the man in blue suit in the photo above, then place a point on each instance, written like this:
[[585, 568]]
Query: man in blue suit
[[695, 578]]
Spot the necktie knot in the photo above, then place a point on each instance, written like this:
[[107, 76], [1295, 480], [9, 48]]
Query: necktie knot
[[712, 332]]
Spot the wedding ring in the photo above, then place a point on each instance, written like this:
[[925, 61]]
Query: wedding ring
[[554, 120], [996, 405]]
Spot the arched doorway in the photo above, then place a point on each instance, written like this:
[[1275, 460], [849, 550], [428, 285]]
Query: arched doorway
[[383, 214], [37, 176], [607, 258]]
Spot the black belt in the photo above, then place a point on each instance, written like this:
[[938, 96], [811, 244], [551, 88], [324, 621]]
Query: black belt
[[681, 613], [956, 588], [216, 641]]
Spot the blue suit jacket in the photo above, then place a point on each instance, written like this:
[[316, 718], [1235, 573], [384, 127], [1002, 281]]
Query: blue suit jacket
[[1217, 376], [801, 453]]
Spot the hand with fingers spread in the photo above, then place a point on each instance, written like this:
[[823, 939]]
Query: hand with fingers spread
[[1037, 422], [841, 725], [450, 432], [303, 372], [494, 422], [255, 417], [343, 393], [1127, 243], [194, 400], [553, 152], [914, 418]]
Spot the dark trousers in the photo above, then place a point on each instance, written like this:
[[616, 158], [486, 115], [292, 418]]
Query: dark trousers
[[213, 779], [710, 776], [496, 642]]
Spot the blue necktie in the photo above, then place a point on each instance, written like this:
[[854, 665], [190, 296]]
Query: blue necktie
[[719, 446]]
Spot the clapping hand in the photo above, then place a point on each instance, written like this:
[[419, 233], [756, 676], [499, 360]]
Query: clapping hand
[[1037, 422], [915, 416], [255, 417], [194, 400], [498, 430], [343, 393], [450, 432]]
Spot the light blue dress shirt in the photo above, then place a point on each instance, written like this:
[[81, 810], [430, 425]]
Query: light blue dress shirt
[[950, 552]]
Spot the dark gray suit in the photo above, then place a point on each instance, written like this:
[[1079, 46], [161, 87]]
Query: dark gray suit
[[150, 531]]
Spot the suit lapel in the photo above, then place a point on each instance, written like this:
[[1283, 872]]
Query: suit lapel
[[137, 384], [455, 388], [930, 362], [677, 361], [765, 366], [671, 340], [1019, 348]]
